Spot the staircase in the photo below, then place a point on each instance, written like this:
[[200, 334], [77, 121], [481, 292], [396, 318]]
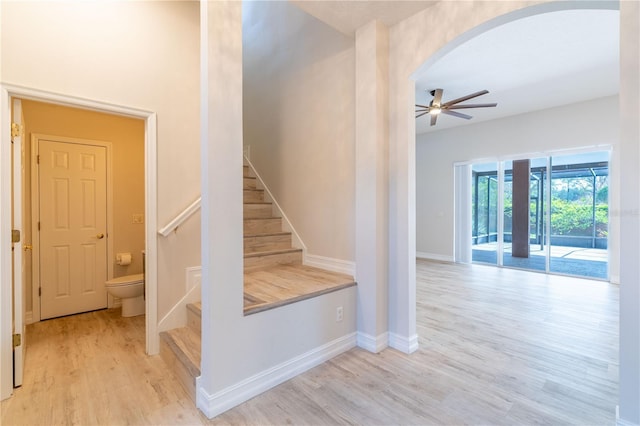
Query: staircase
[[265, 245], [273, 276]]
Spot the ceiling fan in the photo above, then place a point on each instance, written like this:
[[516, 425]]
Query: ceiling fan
[[436, 107]]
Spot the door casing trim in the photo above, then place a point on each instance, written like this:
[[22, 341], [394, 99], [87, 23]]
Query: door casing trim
[[7, 92]]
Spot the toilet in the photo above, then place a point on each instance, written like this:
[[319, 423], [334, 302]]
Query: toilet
[[130, 289]]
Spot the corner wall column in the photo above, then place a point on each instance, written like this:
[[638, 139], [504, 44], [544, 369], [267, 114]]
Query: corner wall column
[[629, 390], [372, 136], [221, 168]]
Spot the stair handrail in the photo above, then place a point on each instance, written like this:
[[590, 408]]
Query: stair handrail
[[180, 218]]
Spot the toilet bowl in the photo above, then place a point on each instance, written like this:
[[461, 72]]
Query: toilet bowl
[[129, 289]]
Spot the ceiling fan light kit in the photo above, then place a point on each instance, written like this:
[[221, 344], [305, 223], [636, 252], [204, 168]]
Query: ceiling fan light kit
[[436, 106]]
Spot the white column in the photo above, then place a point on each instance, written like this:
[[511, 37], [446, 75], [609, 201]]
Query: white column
[[629, 390], [463, 227], [372, 135], [221, 162]]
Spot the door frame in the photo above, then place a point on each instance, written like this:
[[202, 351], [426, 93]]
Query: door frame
[[35, 207], [7, 92]]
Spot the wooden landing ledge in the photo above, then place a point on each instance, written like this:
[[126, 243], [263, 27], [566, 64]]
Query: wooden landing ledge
[[284, 284]]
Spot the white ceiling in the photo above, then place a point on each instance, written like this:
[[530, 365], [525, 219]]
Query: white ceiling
[[534, 63], [531, 64], [348, 16]]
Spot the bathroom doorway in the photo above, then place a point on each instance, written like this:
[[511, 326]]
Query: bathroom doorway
[[148, 121], [87, 204]]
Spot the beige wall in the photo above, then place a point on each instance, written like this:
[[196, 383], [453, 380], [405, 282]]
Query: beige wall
[[299, 121], [127, 138], [141, 55]]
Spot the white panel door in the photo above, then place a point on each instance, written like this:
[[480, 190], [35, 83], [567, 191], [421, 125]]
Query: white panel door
[[73, 224]]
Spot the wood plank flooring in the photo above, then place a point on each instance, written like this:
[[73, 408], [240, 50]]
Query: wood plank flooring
[[497, 346], [281, 285]]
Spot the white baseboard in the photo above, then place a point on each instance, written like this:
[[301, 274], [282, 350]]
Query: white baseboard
[[28, 317], [330, 264], [177, 316], [373, 344], [614, 279], [622, 422], [214, 404], [402, 343], [434, 256]]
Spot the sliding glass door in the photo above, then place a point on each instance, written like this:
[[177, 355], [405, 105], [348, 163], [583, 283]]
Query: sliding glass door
[[580, 215], [484, 213], [546, 214]]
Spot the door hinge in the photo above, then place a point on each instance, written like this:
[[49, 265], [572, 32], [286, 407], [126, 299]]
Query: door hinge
[[38, 226], [38, 159], [17, 340], [39, 291], [15, 235], [16, 130]]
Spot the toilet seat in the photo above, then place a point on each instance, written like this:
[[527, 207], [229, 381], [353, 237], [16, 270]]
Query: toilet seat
[[125, 280]]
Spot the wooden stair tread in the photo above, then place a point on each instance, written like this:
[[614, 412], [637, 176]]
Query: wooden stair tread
[[285, 284], [186, 345], [271, 252], [267, 234]]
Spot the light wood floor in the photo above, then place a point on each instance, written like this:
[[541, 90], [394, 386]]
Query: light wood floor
[[497, 346]]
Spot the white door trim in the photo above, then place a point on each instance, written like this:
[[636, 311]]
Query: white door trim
[[35, 206], [151, 210]]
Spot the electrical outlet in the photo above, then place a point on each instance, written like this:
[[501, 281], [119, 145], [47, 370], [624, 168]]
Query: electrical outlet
[[339, 314], [137, 218]]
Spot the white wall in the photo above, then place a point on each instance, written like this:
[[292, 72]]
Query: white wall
[[299, 119], [136, 54], [580, 125]]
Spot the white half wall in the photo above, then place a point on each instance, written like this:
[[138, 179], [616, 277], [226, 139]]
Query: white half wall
[[586, 124]]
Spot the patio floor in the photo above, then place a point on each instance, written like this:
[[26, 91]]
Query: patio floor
[[585, 262]]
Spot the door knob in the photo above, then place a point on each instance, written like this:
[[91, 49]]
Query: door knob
[[100, 236]]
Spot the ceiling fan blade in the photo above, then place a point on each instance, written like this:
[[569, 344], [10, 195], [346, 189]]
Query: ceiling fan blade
[[456, 114], [437, 97], [421, 114], [465, 98], [472, 106], [422, 106], [434, 118]]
